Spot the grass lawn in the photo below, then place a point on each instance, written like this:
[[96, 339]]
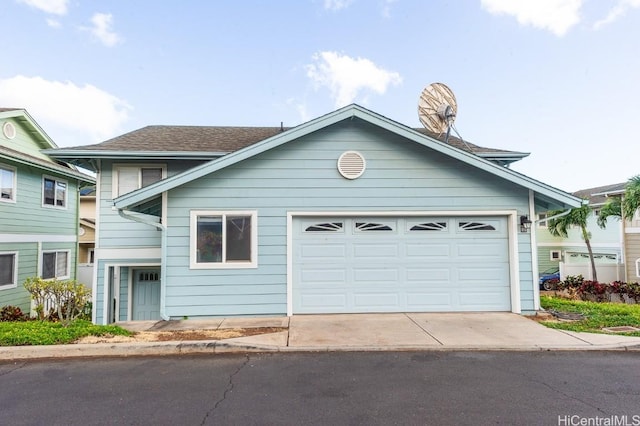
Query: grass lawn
[[598, 315], [21, 333]]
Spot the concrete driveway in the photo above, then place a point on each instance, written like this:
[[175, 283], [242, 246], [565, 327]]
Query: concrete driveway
[[406, 331]]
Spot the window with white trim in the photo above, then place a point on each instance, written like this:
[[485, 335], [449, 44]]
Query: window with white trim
[[55, 264], [554, 255], [8, 269], [54, 192], [8, 184], [128, 178], [542, 223], [223, 239]]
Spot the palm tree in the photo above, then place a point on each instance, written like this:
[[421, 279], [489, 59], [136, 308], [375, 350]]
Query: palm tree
[[625, 207], [559, 226]]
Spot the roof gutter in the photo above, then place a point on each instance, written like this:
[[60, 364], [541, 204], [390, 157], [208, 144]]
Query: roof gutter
[[564, 213]]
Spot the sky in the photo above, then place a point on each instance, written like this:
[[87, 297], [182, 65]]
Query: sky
[[557, 78]]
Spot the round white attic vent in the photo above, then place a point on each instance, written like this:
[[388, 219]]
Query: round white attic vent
[[9, 130], [351, 165]]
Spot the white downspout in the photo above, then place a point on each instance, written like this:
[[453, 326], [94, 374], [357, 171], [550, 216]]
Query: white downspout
[[163, 254], [534, 252]]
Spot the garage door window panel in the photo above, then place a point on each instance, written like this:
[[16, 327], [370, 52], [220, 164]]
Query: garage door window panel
[[429, 226], [325, 227], [374, 226], [476, 226]]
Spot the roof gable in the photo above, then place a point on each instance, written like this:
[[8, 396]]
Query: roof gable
[[349, 112], [31, 128], [27, 146]]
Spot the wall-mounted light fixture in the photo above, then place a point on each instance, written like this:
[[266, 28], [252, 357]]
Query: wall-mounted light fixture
[[525, 224]]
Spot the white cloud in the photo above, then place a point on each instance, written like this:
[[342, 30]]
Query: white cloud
[[557, 16], [618, 11], [102, 29], [54, 7], [81, 114], [386, 7], [336, 5], [347, 77], [53, 23]]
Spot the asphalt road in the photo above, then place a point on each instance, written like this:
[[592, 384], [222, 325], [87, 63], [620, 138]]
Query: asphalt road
[[375, 388]]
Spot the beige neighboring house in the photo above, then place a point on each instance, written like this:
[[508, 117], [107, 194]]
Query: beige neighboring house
[[86, 235], [630, 238]]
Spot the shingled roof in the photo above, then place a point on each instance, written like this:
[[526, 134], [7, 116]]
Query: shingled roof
[[186, 139], [223, 139], [597, 195]]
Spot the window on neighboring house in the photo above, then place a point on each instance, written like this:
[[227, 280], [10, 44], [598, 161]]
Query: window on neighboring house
[[554, 255], [542, 223], [8, 269], [54, 192], [223, 239], [130, 178], [91, 256], [7, 183], [55, 264]]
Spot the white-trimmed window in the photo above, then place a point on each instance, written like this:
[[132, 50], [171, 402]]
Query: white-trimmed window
[[91, 256], [54, 192], [555, 255], [128, 178], [8, 184], [8, 269], [223, 239], [55, 264], [542, 223]]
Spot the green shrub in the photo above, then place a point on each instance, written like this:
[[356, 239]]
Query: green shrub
[[68, 298]]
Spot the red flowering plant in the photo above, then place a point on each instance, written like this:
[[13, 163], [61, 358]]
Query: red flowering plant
[[633, 291], [593, 289]]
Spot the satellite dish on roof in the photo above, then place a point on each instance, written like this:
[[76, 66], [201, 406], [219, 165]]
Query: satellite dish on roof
[[437, 108]]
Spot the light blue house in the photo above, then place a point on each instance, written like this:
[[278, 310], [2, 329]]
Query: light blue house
[[570, 254], [38, 209], [350, 212]]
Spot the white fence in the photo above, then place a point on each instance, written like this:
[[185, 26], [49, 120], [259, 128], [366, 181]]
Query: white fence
[[607, 273], [85, 275]]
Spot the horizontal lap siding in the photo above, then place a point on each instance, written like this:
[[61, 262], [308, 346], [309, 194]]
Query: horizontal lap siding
[[27, 267], [302, 176], [28, 217], [116, 231], [632, 243]]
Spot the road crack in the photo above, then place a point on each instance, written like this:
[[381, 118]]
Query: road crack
[[18, 367], [565, 394], [229, 389]]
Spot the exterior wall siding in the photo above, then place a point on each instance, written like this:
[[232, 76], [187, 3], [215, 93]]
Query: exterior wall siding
[[632, 255], [30, 223], [116, 231], [27, 265], [23, 141], [302, 176]]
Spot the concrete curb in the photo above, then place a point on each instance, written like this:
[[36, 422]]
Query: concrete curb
[[219, 347]]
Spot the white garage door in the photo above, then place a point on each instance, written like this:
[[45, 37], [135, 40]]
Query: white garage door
[[410, 264]]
